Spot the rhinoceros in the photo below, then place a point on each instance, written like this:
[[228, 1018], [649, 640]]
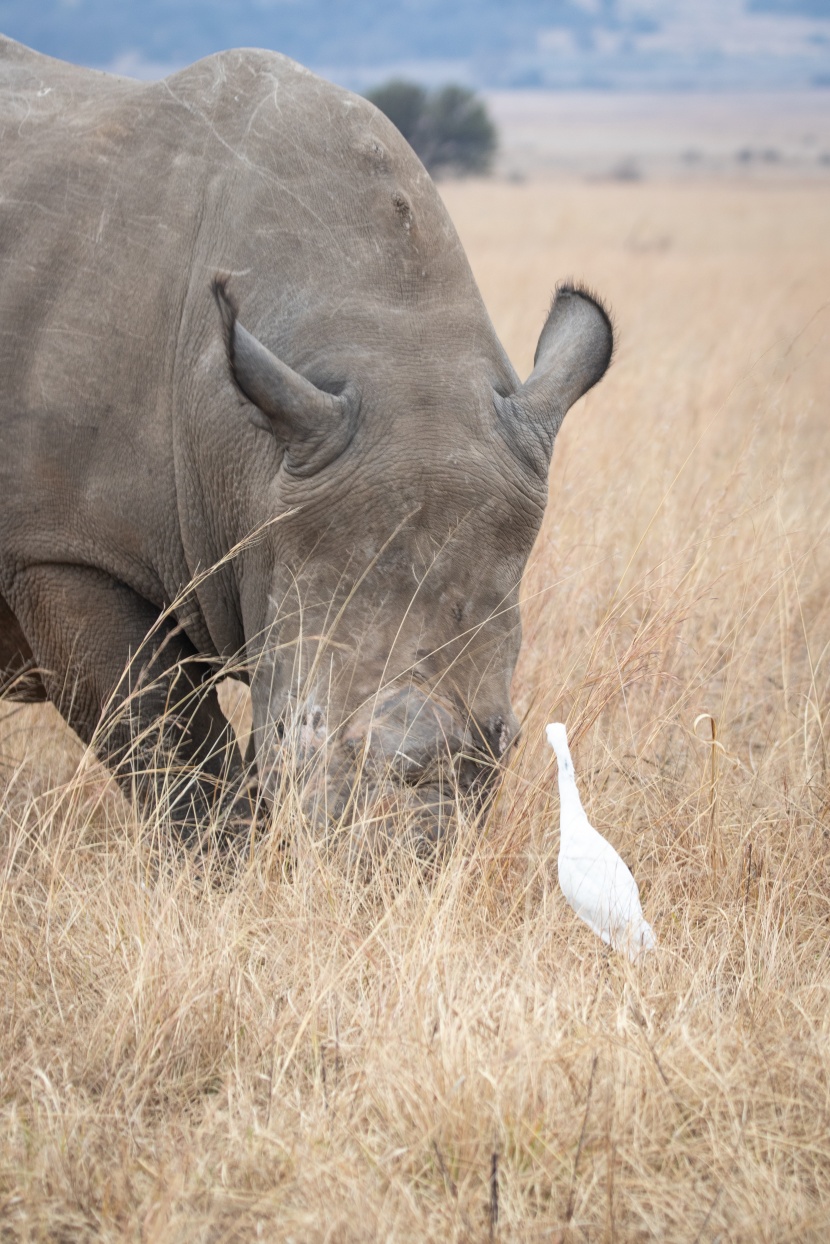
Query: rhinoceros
[[254, 415]]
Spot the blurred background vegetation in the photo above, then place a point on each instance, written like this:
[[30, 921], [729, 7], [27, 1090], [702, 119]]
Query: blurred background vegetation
[[449, 128]]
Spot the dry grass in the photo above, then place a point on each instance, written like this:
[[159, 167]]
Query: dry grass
[[302, 1056]]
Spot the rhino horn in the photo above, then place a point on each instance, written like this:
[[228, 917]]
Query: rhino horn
[[314, 425], [574, 352]]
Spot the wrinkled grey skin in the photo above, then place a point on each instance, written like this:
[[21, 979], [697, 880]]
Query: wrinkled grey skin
[[359, 415]]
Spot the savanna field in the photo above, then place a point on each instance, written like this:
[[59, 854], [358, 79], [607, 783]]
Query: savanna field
[[301, 1053]]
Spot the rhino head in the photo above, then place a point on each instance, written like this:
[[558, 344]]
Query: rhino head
[[381, 624]]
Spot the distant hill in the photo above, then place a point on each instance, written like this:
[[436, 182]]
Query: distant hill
[[803, 8], [615, 44]]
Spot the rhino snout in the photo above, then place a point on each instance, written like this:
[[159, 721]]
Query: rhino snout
[[406, 732]]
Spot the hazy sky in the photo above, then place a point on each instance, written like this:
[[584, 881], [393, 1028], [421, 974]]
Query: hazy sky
[[551, 43]]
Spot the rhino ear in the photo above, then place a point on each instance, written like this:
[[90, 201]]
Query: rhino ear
[[574, 352], [314, 426]]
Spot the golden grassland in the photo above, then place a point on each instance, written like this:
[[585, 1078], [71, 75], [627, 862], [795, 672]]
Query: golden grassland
[[306, 1055]]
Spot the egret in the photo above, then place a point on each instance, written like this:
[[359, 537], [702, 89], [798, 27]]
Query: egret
[[593, 878]]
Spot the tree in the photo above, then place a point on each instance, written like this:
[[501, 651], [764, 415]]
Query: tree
[[403, 103], [448, 128]]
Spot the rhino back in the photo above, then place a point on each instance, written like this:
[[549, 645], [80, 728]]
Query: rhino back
[[89, 300]]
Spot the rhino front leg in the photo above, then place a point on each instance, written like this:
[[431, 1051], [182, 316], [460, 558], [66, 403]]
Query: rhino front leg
[[19, 680], [139, 695]]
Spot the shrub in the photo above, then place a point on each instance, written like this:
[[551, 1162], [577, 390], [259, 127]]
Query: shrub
[[448, 128]]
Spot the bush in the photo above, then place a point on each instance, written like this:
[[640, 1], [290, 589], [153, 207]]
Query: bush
[[448, 128]]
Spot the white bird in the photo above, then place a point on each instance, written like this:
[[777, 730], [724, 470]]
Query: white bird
[[594, 879]]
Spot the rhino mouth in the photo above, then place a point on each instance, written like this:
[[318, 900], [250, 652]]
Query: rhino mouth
[[375, 812], [381, 804], [406, 779]]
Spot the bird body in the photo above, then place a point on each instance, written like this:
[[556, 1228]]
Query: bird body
[[594, 880]]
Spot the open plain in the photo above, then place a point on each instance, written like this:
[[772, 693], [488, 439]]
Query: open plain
[[305, 1054]]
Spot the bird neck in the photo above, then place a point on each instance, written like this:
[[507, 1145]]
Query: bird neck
[[565, 765], [570, 805]]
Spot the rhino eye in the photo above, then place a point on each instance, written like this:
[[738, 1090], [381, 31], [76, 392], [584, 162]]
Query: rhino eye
[[458, 611]]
